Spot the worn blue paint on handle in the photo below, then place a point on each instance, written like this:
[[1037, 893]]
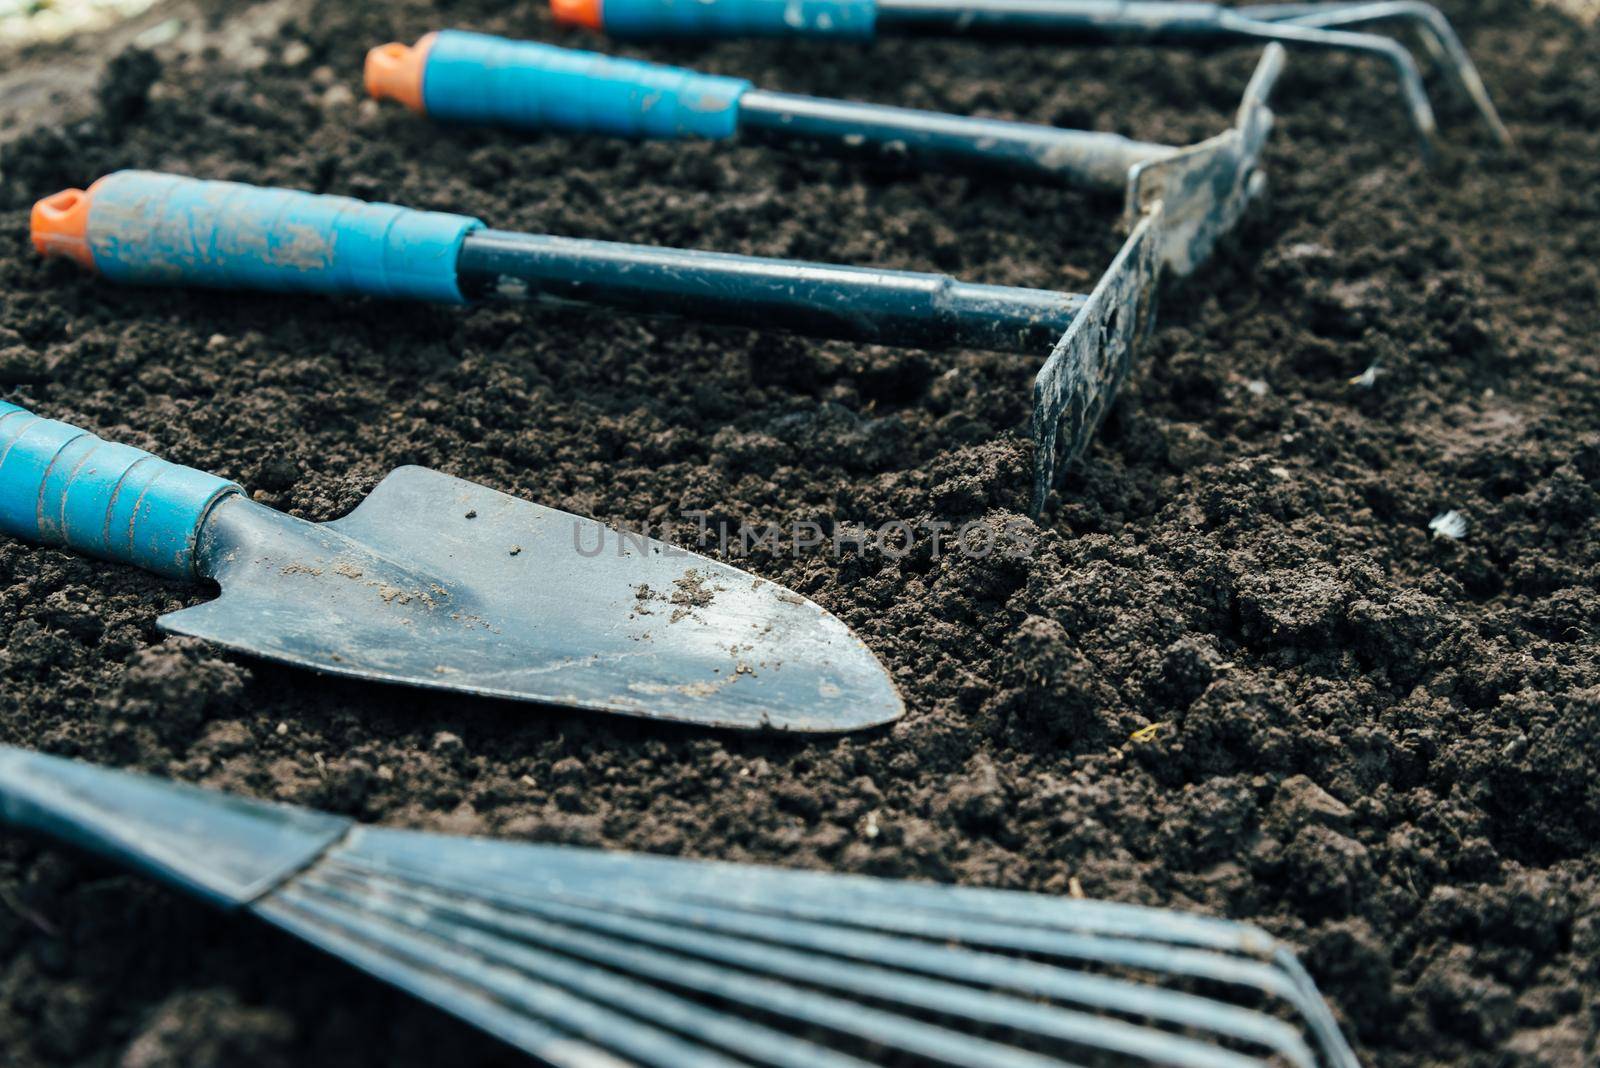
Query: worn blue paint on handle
[[472, 77], [848, 19], [154, 228], [60, 485]]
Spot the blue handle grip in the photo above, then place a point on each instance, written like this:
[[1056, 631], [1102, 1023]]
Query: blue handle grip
[[645, 19], [472, 77], [60, 485], [152, 228]]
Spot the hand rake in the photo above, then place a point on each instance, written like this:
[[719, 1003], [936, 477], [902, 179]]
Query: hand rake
[[146, 228], [1297, 25], [583, 958]]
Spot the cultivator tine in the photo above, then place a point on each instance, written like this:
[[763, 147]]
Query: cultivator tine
[[1441, 39], [1407, 75]]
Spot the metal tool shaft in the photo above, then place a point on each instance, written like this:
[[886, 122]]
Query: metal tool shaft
[[1062, 19], [821, 300], [946, 142]]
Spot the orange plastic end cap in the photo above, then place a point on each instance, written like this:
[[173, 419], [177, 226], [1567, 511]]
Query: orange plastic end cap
[[394, 72], [577, 12], [60, 225]]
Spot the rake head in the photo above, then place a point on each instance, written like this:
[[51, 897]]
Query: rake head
[[585, 958], [573, 954], [1176, 209]]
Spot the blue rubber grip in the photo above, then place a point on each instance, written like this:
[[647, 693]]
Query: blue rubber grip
[[60, 485], [647, 19], [151, 228], [471, 77]]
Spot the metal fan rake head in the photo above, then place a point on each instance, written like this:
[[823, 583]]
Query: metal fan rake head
[[585, 958]]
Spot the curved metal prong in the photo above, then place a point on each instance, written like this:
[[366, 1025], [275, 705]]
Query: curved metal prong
[[1405, 67], [1437, 33]]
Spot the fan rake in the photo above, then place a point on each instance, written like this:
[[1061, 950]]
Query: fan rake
[[582, 958]]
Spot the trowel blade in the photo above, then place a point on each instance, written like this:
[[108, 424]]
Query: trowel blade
[[437, 582]]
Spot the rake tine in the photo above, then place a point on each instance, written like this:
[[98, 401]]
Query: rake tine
[[776, 891], [847, 937], [1152, 956], [1436, 31], [993, 970], [757, 888], [409, 907], [1289, 984], [952, 999], [408, 964], [1277, 978], [589, 960], [1317, 1013], [454, 917]]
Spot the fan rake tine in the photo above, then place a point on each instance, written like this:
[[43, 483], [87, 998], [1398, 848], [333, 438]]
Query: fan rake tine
[[556, 869], [1198, 947], [507, 935], [409, 938], [1166, 943], [1317, 1013], [481, 926], [1159, 957], [617, 913], [993, 970], [758, 915], [413, 964]]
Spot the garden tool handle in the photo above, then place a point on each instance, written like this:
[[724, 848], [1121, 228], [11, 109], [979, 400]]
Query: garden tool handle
[[60, 485], [476, 78], [471, 77], [864, 19], [149, 228]]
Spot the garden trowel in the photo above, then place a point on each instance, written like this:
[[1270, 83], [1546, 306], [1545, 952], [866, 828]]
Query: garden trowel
[[437, 582]]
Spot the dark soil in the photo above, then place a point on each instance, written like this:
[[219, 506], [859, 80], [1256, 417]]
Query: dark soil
[[1381, 744]]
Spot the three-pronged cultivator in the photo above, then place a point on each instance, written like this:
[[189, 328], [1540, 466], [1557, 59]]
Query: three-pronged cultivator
[[1326, 26]]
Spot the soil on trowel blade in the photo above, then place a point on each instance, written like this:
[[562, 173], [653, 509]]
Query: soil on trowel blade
[[1238, 673]]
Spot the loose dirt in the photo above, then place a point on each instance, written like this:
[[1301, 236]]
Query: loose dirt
[[1238, 673]]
